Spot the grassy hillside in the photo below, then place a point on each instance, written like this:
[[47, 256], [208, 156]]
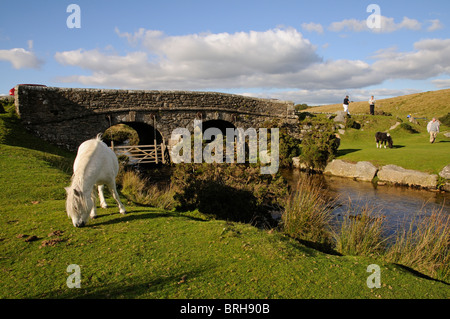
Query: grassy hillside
[[412, 149], [152, 253], [426, 104]]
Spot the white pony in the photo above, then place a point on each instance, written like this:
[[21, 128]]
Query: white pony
[[95, 165]]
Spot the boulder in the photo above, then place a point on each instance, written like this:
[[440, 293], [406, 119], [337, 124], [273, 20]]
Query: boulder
[[445, 173], [340, 116], [362, 171], [400, 175]]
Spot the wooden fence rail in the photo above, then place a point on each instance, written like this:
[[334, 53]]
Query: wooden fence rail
[[142, 154]]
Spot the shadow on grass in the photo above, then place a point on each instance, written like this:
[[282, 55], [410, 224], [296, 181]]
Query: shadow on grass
[[133, 215], [419, 274], [139, 286], [347, 151]]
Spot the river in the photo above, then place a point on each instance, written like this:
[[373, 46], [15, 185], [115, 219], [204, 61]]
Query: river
[[399, 204]]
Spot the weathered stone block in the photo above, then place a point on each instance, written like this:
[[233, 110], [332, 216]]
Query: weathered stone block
[[362, 171], [400, 175]]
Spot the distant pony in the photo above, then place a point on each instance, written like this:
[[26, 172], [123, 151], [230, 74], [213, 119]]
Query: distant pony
[[383, 138], [95, 165]]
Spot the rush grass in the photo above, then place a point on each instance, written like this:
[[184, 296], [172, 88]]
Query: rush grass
[[155, 253]]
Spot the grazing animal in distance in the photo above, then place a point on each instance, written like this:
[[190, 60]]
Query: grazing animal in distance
[[95, 165], [383, 138]]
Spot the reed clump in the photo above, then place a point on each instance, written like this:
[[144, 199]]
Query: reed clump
[[308, 214], [424, 245], [139, 190], [361, 232]]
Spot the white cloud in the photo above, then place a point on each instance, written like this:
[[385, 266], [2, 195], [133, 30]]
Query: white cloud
[[313, 27], [274, 59], [435, 25], [429, 59], [388, 25], [20, 58], [441, 83], [349, 25], [197, 60]]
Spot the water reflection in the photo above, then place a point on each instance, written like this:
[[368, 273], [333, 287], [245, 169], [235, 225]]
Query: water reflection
[[399, 204]]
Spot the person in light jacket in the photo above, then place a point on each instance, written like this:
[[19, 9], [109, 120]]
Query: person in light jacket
[[433, 129], [372, 105]]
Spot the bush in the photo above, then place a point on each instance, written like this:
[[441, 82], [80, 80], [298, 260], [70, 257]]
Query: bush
[[408, 128], [319, 146], [236, 192], [351, 123], [290, 146], [300, 107], [445, 119]]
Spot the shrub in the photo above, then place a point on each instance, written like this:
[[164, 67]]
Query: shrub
[[319, 147], [351, 123], [445, 119], [119, 134], [300, 107], [408, 128], [289, 146], [235, 192]]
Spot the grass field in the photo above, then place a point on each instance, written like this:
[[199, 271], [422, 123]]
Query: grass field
[[412, 150], [152, 253]]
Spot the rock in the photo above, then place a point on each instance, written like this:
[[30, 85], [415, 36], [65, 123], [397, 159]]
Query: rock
[[447, 134], [446, 187], [340, 116], [297, 163], [400, 175], [445, 173], [362, 171]]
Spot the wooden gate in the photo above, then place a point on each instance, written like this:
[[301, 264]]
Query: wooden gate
[[142, 154]]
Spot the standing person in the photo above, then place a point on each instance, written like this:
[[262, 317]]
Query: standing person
[[433, 129], [345, 105], [372, 106]]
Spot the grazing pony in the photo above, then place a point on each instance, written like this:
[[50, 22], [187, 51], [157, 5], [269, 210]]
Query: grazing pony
[[382, 138], [95, 165]]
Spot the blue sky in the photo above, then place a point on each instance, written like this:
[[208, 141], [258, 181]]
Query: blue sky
[[311, 52]]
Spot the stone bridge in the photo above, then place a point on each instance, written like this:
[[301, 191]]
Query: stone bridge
[[69, 116]]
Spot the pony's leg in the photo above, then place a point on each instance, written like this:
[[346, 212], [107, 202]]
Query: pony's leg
[[113, 190], [101, 189], [93, 213]]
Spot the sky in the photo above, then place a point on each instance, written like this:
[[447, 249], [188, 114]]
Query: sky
[[313, 52]]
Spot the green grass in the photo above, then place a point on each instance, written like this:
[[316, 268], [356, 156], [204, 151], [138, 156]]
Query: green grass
[[153, 253], [411, 150]]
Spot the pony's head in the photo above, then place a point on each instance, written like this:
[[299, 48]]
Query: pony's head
[[78, 206]]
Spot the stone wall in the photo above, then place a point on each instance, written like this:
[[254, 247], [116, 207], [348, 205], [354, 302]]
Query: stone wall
[[68, 116]]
